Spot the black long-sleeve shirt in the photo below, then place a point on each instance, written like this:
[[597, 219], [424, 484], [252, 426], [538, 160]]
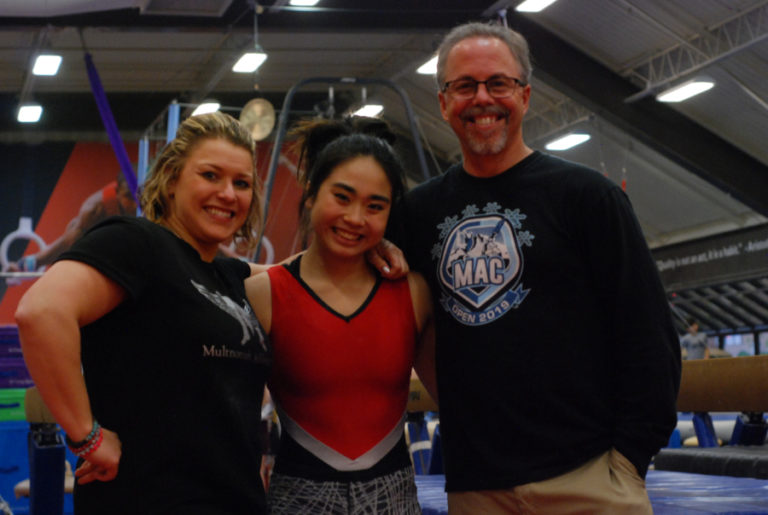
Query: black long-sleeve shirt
[[554, 337]]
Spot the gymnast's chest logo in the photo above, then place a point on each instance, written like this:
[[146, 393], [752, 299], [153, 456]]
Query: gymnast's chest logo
[[480, 263]]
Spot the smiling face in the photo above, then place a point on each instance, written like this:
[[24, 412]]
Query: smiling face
[[211, 198], [486, 126], [349, 214]]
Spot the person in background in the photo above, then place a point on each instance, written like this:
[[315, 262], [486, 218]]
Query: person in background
[[694, 343], [558, 365], [113, 199], [345, 340], [165, 414]]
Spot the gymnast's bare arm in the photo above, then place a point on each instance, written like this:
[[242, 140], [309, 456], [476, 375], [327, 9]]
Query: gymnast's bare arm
[[68, 296], [424, 361], [259, 292]]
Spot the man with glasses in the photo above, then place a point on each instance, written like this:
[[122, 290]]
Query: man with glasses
[[557, 361]]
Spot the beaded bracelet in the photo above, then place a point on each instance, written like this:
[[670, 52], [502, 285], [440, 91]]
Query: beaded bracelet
[[84, 442], [87, 450]]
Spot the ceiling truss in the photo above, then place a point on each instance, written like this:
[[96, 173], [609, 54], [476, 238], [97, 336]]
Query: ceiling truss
[[691, 55]]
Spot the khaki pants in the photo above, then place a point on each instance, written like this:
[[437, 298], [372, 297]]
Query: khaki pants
[[607, 484]]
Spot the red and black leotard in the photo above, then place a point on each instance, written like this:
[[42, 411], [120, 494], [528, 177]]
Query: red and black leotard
[[340, 382]]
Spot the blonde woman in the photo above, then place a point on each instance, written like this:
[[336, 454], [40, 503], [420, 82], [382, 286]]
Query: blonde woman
[[165, 412]]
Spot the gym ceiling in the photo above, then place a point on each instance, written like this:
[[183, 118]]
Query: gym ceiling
[[693, 169]]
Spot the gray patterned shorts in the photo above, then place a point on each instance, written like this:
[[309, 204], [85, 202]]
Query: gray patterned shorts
[[391, 494]]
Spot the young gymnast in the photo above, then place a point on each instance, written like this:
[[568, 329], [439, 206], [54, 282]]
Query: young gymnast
[[344, 339], [166, 416]]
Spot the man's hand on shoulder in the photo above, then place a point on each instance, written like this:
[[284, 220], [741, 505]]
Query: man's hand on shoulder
[[388, 259]]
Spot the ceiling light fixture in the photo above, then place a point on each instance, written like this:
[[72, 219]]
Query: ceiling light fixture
[[29, 113], [428, 68], [685, 90], [303, 3], [46, 64], [250, 61], [207, 106], [369, 110], [534, 6], [567, 141]]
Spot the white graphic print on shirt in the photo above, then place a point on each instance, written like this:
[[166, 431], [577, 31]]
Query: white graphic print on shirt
[[480, 263], [248, 321]]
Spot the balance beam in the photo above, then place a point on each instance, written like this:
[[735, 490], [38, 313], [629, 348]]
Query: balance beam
[[724, 384], [720, 384]]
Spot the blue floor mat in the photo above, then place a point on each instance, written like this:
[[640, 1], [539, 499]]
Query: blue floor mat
[[671, 493]]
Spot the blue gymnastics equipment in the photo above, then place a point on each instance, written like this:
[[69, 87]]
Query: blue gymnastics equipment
[[111, 127]]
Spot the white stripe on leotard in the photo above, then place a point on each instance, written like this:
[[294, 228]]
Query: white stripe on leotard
[[334, 458]]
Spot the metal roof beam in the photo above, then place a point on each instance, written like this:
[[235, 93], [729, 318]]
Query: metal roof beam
[[701, 311], [727, 305], [760, 313], [716, 43], [658, 126]]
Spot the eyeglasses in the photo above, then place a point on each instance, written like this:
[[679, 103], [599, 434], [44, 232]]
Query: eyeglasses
[[498, 86]]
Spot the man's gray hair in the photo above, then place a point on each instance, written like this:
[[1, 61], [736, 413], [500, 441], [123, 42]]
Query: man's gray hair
[[513, 39]]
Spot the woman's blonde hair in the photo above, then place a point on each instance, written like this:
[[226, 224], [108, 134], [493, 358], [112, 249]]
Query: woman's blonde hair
[[168, 165]]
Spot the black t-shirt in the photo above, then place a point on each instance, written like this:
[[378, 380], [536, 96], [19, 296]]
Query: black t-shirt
[[178, 371], [554, 337]]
